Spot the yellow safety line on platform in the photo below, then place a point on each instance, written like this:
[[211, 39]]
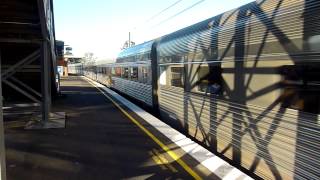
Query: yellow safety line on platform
[[154, 138], [164, 161], [157, 160]]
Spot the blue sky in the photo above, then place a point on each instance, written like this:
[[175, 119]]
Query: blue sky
[[102, 26]]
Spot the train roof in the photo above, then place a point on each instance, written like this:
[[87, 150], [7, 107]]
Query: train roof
[[104, 61], [206, 24], [137, 49], [199, 36]]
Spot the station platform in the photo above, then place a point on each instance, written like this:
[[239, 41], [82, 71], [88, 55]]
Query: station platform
[[107, 137]]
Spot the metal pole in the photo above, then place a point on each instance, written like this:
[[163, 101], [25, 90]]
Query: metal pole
[[2, 146], [45, 106], [129, 40]]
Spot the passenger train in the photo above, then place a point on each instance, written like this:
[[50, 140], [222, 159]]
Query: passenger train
[[245, 83]]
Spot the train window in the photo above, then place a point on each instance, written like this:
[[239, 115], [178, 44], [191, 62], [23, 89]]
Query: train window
[[209, 79], [177, 58], [138, 57], [144, 75], [149, 75], [108, 70], [147, 56], [130, 59], [203, 81], [177, 76], [134, 73], [301, 87], [125, 72], [113, 71]]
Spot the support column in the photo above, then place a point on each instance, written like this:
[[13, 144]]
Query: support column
[[2, 139], [47, 119], [45, 78]]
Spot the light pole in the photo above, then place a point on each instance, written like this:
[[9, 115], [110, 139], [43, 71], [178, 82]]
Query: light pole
[[129, 40]]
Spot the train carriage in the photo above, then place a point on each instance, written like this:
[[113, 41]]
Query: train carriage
[[75, 69], [135, 66], [131, 74], [247, 84]]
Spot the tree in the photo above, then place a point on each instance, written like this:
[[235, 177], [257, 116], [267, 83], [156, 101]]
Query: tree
[[89, 58]]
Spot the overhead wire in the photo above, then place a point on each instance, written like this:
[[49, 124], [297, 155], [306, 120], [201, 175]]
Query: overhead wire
[[180, 12], [173, 16], [160, 12]]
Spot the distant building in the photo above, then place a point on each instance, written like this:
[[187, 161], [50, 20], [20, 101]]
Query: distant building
[[61, 64], [65, 57], [71, 59], [60, 49]]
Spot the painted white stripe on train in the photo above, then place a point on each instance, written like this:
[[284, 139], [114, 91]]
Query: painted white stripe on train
[[216, 165]]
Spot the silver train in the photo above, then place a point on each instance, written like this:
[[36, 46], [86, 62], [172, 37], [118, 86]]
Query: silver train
[[245, 83]]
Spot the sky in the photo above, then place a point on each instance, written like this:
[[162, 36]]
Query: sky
[[102, 26]]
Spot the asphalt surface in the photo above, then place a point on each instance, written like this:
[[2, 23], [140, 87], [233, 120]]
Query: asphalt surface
[[99, 142]]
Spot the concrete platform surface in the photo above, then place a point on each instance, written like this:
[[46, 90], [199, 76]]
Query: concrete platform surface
[[99, 142]]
